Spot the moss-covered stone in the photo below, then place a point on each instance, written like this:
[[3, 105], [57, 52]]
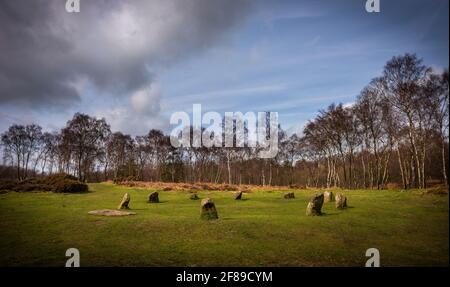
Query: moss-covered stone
[[315, 205], [208, 210], [153, 197]]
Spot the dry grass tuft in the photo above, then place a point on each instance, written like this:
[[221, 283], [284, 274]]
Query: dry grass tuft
[[192, 187]]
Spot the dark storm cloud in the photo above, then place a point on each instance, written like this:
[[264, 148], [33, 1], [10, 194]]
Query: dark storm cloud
[[45, 52]]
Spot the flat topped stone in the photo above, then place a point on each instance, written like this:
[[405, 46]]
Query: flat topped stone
[[110, 212]]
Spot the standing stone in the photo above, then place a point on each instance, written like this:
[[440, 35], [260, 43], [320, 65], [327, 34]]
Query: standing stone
[[289, 195], [341, 201], [238, 195], [125, 201], [328, 196], [315, 205], [153, 197], [194, 196], [208, 209]]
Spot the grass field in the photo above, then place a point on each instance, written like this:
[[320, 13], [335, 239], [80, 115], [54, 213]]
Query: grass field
[[408, 228]]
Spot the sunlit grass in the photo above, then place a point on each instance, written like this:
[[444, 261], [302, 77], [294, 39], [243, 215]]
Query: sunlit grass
[[262, 230]]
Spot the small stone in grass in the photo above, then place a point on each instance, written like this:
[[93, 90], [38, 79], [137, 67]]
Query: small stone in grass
[[109, 212], [289, 195], [328, 196], [341, 201], [208, 209], [153, 197], [315, 205], [125, 202]]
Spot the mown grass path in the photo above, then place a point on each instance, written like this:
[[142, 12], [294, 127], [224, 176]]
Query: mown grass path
[[409, 229]]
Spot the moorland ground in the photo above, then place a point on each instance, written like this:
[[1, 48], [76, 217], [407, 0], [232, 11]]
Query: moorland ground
[[409, 228]]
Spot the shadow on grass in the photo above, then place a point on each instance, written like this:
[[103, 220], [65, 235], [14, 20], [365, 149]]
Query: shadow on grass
[[68, 193], [225, 218], [328, 214], [337, 213], [161, 201]]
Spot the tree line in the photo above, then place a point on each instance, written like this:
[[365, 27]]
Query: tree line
[[395, 132]]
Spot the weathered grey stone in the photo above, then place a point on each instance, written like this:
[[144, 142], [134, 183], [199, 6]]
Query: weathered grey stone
[[328, 196], [208, 209], [125, 202], [289, 195], [315, 205], [341, 201], [153, 197], [109, 212], [238, 195]]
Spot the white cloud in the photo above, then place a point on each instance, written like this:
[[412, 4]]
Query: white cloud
[[105, 57], [348, 105], [123, 119], [296, 129], [230, 93], [146, 100]]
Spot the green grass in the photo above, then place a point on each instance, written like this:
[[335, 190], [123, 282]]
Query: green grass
[[408, 228]]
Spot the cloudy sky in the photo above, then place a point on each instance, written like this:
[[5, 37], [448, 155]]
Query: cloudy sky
[[135, 62]]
